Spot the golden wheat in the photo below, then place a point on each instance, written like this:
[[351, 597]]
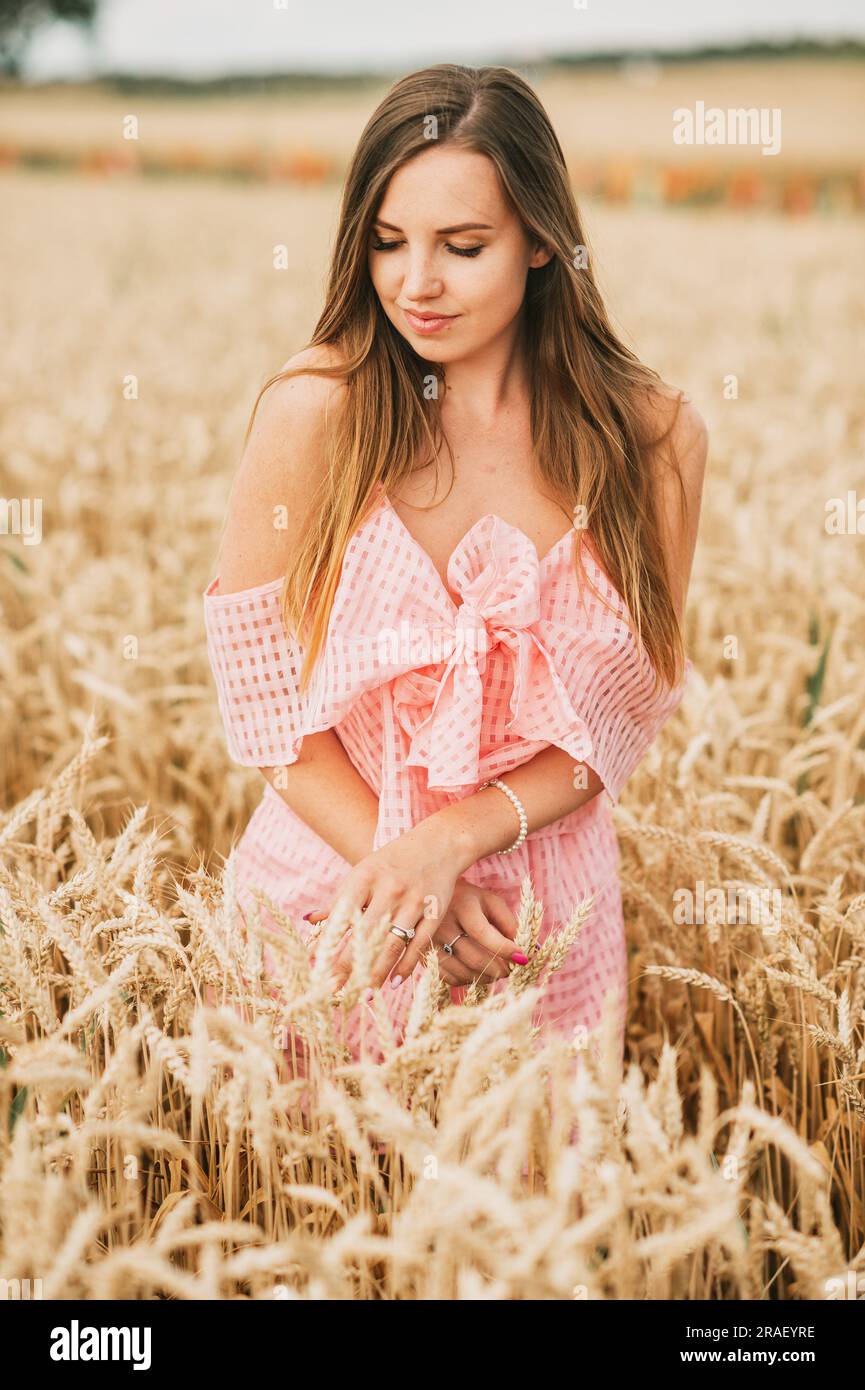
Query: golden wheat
[[156, 1138]]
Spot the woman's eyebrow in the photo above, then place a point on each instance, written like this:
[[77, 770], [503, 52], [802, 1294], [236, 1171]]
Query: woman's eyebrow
[[442, 231]]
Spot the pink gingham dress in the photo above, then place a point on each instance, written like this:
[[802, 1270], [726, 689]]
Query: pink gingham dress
[[430, 698]]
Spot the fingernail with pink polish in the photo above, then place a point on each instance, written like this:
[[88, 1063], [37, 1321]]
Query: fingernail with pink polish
[[395, 981], [368, 994], [519, 959]]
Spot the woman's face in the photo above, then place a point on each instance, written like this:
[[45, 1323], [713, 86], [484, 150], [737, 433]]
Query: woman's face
[[445, 246]]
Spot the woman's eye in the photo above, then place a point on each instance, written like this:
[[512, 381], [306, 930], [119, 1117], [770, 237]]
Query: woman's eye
[[455, 250]]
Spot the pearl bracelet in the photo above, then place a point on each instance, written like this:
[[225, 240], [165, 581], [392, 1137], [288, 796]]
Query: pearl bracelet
[[518, 807]]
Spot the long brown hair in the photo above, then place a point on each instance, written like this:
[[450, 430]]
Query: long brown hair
[[587, 426]]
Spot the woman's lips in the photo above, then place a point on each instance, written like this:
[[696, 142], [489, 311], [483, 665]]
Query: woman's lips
[[434, 325]]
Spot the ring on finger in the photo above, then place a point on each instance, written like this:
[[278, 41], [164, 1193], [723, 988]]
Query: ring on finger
[[404, 933], [448, 948]]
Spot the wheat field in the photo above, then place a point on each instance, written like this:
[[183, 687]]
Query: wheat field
[[154, 1140]]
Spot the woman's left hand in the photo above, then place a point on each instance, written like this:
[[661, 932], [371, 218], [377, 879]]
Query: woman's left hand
[[475, 917]]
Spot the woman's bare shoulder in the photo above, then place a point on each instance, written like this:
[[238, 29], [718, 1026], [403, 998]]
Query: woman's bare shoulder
[[281, 464], [329, 355], [663, 418], [310, 391], [678, 462]]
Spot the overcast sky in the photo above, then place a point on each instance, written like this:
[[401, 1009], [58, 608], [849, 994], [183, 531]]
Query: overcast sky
[[210, 37]]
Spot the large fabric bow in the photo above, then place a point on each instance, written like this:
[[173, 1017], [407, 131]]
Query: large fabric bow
[[495, 573]]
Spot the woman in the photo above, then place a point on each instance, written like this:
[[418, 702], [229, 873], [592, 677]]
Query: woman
[[516, 624]]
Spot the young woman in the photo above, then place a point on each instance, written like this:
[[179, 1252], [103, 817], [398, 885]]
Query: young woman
[[446, 678]]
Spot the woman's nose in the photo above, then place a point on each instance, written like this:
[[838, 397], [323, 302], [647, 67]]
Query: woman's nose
[[421, 280]]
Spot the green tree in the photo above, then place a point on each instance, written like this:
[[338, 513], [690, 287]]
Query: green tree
[[19, 20]]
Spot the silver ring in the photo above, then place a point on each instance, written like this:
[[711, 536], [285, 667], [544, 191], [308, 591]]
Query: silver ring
[[406, 933], [449, 947]]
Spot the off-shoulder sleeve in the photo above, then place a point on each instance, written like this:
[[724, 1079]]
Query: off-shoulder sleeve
[[256, 665], [611, 693]]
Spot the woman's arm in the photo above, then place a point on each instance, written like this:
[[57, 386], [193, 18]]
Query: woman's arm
[[549, 787], [280, 468], [326, 790]]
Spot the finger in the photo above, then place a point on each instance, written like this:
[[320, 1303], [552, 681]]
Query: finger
[[455, 974], [462, 947], [425, 930], [498, 912], [480, 961], [388, 904], [476, 958], [458, 972], [343, 960], [346, 908], [474, 921], [328, 956], [392, 958], [382, 906], [316, 919], [352, 898]]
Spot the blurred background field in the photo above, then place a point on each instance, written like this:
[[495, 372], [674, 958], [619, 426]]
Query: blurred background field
[[141, 316], [613, 119]]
